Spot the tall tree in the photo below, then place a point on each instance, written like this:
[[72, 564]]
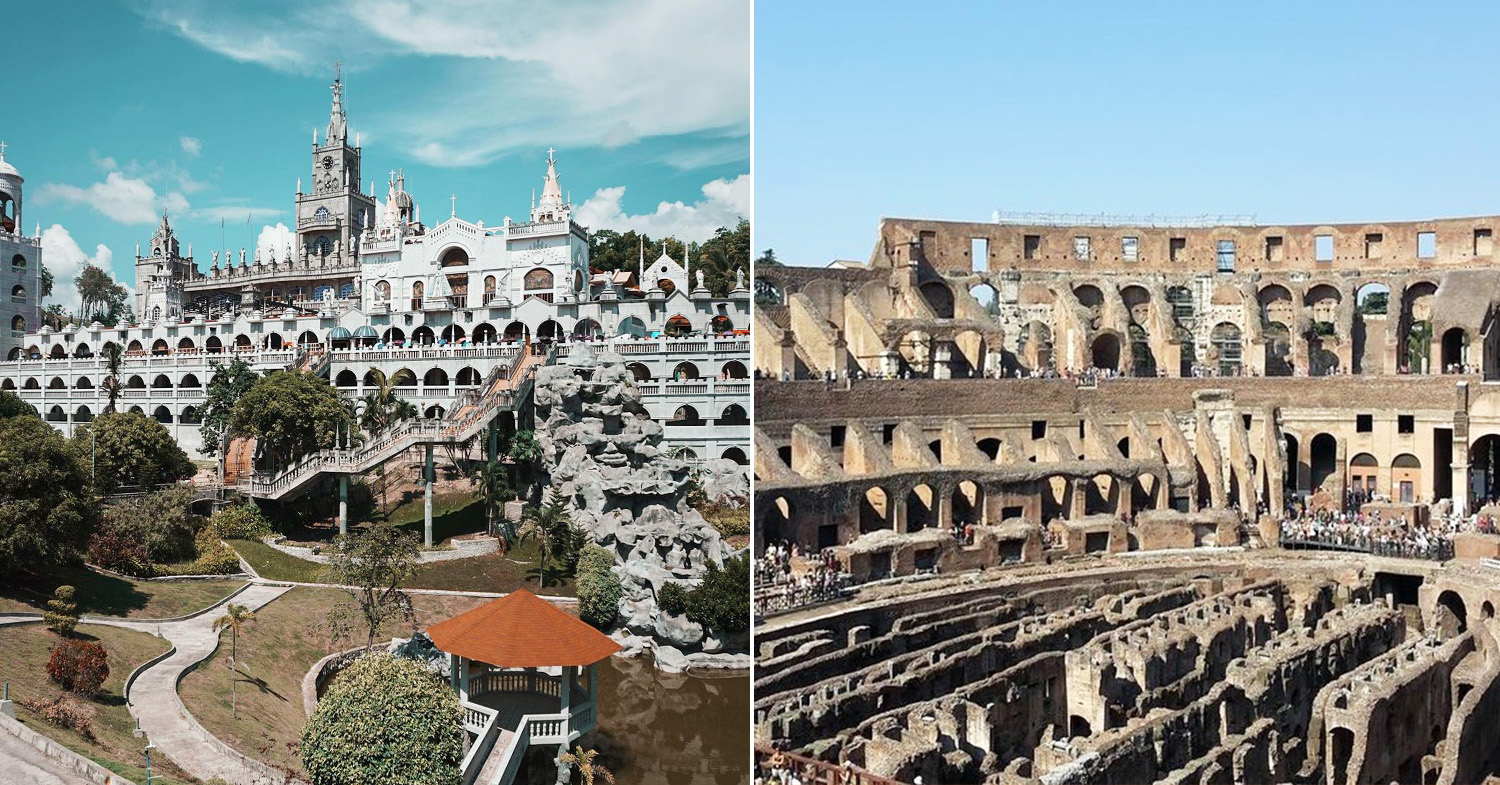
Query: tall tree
[[114, 357], [493, 481], [48, 510], [371, 566], [234, 619], [766, 292], [292, 414], [130, 449], [383, 410], [11, 405], [557, 539], [226, 386], [101, 297]]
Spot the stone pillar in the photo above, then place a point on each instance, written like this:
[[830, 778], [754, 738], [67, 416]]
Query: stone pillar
[[567, 699], [942, 359], [343, 504], [1124, 496], [1079, 506], [890, 363], [493, 445], [1163, 495], [427, 476], [1460, 488], [453, 676], [942, 506], [898, 511]]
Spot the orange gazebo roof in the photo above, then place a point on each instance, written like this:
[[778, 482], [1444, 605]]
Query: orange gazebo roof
[[521, 630]]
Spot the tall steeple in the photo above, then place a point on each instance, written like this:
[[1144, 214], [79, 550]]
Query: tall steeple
[[551, 206], [337, 125]]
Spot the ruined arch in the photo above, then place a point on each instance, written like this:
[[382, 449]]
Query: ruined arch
[[921, 508], [1323, 459], [1227, 348], [939, 298], [1278, 349], [874, 510], [1105, 351]]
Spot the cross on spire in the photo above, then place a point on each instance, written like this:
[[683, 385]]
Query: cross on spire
[[454, 208], [550, 151], [3, 145]]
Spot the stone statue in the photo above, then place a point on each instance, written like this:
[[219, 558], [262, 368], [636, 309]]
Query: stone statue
[[242, 256], [739, 278], [700, 280], [216, 260]]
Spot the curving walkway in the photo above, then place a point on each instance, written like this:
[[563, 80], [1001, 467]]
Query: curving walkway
[[25, 763], [154, 702]]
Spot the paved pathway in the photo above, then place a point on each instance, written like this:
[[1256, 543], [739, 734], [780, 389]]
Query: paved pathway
[[23, 763], [154, 701]]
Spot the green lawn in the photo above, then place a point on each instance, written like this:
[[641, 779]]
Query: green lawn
[[100, 594], [274, 565], [286, 639], [452, 514], [23, 658]]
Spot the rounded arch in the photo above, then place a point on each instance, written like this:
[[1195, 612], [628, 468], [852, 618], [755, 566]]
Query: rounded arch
[[18, 291], [684, 370], [1323, 460], [454, 256], [82, 350], [1455, 350], [1106, 351], [242, 342], [213, 345], [921, 508], [721, 324], [639, 372], [346, 378], [1364, 460], [57, 383], [678, 326], [1451, 600], [874, 510], [17, 326], [517, 332], [489, 289], [467, 377], [435, 377], [686, 415], [161, 382], [273, 342], [632, 325], [307, 338], [1278, 349], [31, 384], [162, 415], [9, 384], [189, 416], [406, 377], [1090, 297], [423, 336], [939, 298], [186, 345], [734, 369], [393, 336], [58, 352], [83, 414], [987, 297], [1180, 298], [587, 328], [56, 414], [434, 412], [550, 330], [453, 333], [1372, 299], [733, 414], [382, 291], [1137, 303], [190, 382], [135, 382], [159, 347], [1226, 348], [737, 455], [484, 332]]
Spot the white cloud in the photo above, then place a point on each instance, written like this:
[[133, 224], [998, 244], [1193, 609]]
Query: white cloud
[[64, 258], [612, 72], [277, 238], [191, 145], [124, 199], [724, 203]]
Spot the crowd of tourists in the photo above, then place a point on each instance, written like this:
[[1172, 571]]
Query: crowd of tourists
[[776, 767], [786, 577], [1369, 532]]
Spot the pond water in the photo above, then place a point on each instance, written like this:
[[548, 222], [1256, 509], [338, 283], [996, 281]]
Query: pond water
[[673, 728]]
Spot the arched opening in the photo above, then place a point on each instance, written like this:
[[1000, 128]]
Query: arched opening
[[1364, 472], [734, 369], [18, 292], [737, 455], [1226, 349], [987, 297], [631, 325], [1341, 742], [1142, 359], [1106, 351], [159, 348], [382, 291], [484, 333], [31, 384], [1416, 323], [393, 336], [214, 345], [1078, 727], [9, 384], [939, 298], [161, 382], [915, 349], [242, 343], [418, 290], [1324, 460], [733, 414], [58, 352], [423, 336], [550, 331], [346, 379], [56, 414], [1406, 478], [57, 383], [434, 412], [967, 358], [684, 371], [435, 377], [587, 328], [307, 338], [135, 383], [189, 382], [1278, 349], [920, 508], [685, 415], [273, 342], [874, 511], [454, 257], [1293, 465], [1455, 604], [185, 346], [990, 448], [678, 326], [489, 289], [517, 332], [453, 333], [467, 377], [189, 416], [162, 415], [721, 324], [639, 372], [84, 414], [1180, 298], [406, 377], [82, 350], [17, 326], [1455, 350], [967, 503]]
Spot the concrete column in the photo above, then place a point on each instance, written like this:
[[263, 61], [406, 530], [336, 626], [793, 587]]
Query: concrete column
[[427, 477], [1460, 488], [343, 504], [1080, 500], [453, 676], [494, 441], [567, 697], [942, 360]]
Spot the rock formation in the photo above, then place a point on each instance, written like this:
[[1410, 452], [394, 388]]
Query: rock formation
[[606, 457]]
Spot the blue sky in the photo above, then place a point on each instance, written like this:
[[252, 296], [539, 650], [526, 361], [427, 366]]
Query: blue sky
[[208, 109], [1291, 112]]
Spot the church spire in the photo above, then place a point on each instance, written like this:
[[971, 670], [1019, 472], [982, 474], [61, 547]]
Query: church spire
[[337, 125]]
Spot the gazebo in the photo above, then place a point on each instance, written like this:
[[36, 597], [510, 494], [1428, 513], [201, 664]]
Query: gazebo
[[526, 672]]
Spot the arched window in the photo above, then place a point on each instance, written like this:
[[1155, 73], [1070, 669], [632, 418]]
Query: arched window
[[538, 283], [321, 214], [721, 324], [489, 288], [18, 292], [346, 291], [320, 292], [417, 289], [678, 326], [17, 326], [382, 291], [454, 257]]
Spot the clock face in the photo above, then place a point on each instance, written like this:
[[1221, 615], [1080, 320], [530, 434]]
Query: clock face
[[327, 162]]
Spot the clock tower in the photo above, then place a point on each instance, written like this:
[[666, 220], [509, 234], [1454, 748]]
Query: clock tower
[[331, 217]]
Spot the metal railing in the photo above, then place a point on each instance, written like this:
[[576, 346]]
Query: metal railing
[[1437, 549]]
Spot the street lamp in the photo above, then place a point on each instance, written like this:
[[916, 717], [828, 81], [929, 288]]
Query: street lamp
[[149, 747]]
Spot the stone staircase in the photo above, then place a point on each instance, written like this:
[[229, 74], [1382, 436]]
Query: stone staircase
[[501, 393]]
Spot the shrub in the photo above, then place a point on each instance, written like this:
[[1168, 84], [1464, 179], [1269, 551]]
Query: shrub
[[599, 589], [240, 522], [78, 666], [160, 520], [593, 558], [66, 711], [61, 615], [121, 552], [722, 601], [673, 599], [385, 721], [214, 558]]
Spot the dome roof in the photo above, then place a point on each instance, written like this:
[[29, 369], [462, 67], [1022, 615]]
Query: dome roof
[[339, 334], [365, 331]]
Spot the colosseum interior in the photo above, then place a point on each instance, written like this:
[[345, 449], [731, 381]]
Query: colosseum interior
[[1037, 479]]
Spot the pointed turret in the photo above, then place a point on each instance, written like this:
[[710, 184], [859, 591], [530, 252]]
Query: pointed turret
[[338, 128], [551, 207]]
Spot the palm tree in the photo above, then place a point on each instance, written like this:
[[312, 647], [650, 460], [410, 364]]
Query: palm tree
[[584, 760], [113, 357], [524, 453], [383, 409], [494, 489], [549, 526], [235, 616]]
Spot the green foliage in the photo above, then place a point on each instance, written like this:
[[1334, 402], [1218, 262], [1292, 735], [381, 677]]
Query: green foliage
[[599, 589], [11, 405], [721, 602], [129, 449], [102, 298], [385, 721], [61, 615], [78, 666], [1375, 303], [558, 539], [161, 521], [227, 384], [240, 522], [383, 408], [673, 599], [728, 250], [47, 512], [214, 558], [47, 282], [291, 413], [766, 292], [587, 769], [372, 565]]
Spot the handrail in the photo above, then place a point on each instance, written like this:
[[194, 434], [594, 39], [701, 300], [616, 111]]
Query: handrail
[[484, 743]]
